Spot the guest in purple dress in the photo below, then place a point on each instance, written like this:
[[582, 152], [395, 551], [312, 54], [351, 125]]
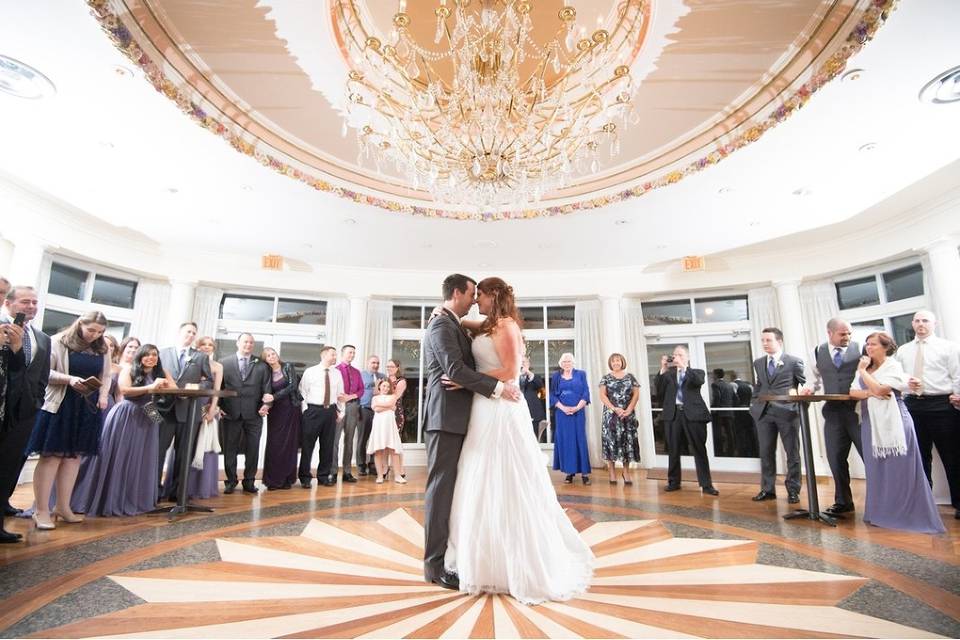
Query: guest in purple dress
[[122, 480], [898, 495], [283, 423], [69, 424]]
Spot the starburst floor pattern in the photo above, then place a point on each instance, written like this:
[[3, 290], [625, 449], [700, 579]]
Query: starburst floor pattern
[[349, 578]]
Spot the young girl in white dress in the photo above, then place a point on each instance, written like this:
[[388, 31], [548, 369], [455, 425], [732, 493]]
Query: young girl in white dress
[[384, 438]]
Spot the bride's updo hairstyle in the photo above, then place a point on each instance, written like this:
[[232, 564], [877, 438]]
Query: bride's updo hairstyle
[[504, 304]]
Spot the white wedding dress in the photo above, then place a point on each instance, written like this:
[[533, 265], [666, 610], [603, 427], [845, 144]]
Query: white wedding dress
[[508, 533]]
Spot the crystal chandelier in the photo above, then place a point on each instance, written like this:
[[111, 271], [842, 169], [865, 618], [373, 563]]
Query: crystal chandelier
[[486, 114]]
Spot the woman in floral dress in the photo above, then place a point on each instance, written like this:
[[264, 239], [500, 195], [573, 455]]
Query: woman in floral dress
[[619, 393]]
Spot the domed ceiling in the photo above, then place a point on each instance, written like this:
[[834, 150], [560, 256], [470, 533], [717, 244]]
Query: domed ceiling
[[710, 77]]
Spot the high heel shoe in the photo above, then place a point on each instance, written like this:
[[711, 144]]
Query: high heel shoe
[[380, 478], [43, 525], [400, 479], [72, 518], [626, 481]]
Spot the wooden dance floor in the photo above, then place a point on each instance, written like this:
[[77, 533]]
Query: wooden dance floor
[[345, 562]]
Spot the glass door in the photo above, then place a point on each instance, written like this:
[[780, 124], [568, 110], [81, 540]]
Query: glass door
[[654, 353]]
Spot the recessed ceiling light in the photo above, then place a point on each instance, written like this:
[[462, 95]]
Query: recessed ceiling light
[[246, 187], [724, 191], [173, 190], [307, 245], [106, 144], [621, 222], [426, 245], [943, 89], [852, 75], [483, 265], [122, 71], [546, 245], [802, 191], [23, 81], [349, 221], [661, 246], [485, 244], [753, 223], [866, 148]]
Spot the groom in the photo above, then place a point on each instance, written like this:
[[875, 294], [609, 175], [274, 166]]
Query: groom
[[447, 355]]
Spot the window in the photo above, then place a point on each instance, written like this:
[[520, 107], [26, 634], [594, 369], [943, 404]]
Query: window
[[667, 312], [234, 307], [721, 309], [902, 328], [115, 292], [406, 317], [75, 288], [251, 308], [861, 292], [301, 311], [532, 316], [883, 301], [560, 317], [903, 283]]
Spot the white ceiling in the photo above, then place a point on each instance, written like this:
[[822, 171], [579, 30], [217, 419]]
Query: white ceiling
[[114, 147]]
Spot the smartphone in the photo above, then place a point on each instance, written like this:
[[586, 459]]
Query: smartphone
[[19, 318], [669, 358]]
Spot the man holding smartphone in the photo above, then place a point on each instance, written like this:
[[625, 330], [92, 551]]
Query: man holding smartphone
[[28, 360]]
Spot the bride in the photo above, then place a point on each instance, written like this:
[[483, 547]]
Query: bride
[[508, 533]]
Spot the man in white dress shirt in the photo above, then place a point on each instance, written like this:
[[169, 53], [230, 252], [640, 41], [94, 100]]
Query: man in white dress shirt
[[933, 398], [322, 389]]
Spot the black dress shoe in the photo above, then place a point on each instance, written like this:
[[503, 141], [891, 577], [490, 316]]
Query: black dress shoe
[[348, 477], [7, 537], [838, 509], [11, 512], [764, 495], [711, 491], [956, 514], [229, 487], [305, 484], [793, 497], [362, 470], [586, 479], [327, 481], [448, 580], [250, 488], [672, 487], [286, 485], [568, 479]]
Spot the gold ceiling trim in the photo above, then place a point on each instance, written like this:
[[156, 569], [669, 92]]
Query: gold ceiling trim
[[207, 114]]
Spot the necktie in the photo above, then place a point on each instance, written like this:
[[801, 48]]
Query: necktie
[[771, 367], [680, 378], [838, 357], [243, 368], [27, 355], [183, 356], [918, 365], [326, 387]]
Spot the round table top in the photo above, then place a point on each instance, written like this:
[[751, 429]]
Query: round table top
[[196, 393], [807, 398]]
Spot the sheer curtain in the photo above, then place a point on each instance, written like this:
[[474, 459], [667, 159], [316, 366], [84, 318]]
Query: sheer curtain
[[206, 310], [764, 312], [635, 351], [153, 297], [819, 304], [376, 337], [338, 321], [588, 338]]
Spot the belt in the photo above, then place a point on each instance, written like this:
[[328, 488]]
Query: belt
[[913, 397], [679, 407], [352, 401], [322, 406]]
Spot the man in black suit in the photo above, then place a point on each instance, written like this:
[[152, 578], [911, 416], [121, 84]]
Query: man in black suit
[[243, 415], [777, 374], [685, 414], [187, 366], [531, 384], [723, 396], [28, 362], [745, 431]]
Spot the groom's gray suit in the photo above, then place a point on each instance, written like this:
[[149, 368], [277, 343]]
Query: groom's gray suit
[[446, 351]]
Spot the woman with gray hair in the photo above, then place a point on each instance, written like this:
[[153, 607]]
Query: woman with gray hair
[[569, 395]]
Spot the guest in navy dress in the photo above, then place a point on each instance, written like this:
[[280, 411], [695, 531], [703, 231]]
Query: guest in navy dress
[[570, 394], [68, 426], [898, 495], [121, 481], [283, 423]]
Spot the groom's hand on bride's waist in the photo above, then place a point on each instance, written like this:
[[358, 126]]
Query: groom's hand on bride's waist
[[449, 384]]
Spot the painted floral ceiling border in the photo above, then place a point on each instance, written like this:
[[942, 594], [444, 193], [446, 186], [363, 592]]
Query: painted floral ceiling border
[[873, 18]]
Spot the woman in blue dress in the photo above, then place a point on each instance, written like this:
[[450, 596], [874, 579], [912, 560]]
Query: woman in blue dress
[[570, 394], [68, 426]]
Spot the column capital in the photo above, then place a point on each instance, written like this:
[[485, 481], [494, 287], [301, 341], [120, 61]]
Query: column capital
[[944, 244], [784, 284]]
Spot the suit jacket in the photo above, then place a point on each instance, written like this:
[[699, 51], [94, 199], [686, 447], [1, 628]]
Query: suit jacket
[[196, 368], [693, 405], [27, 385], [250, 390], [446, 351], [787, 377], [531, 393]]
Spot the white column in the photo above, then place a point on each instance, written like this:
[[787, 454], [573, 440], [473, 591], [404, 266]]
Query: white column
[[6, 257], [795, 343], [944, 274], [26, 262], [357, 324], [612, 331], [181, 307]]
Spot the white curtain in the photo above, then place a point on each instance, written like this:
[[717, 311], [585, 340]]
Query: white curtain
[[590, 356], [338, 321], [153, 298], [764, 312], [376, 337], [206, 310], [635, 351], [818, 302]]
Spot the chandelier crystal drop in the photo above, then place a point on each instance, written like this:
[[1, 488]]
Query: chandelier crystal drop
[[483, 113]]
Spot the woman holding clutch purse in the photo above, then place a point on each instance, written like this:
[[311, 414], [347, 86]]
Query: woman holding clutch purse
[[68, 426]]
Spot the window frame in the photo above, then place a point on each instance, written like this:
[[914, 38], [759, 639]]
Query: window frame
[[272, 328], [885, 310]]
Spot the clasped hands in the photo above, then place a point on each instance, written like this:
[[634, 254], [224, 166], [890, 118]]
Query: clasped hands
[[510, 391]]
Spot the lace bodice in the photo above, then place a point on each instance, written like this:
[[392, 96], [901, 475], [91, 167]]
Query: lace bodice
[[485, 354]]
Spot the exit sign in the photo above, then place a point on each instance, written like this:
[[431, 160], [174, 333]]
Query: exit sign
[[270, 261], [693, 263]]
